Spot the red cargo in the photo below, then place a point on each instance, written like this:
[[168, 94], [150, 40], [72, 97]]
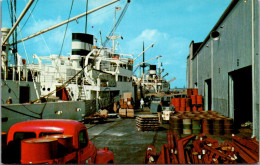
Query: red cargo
[[189, 92], [182, 109], [195, 91], [200, 108], [194, 108], [183, 102], [193, 100], [199, 99]]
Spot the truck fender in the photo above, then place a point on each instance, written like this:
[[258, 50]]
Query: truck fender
[[104, 156]]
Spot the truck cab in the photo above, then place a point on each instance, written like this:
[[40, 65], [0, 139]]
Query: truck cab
[[50, 141]]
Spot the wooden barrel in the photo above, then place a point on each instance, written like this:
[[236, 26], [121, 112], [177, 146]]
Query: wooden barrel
[[186, 126], [193, 100], [218, 126], [199, 99], [38, 150], [175, 125], [195, 91], [228, 126], [207, 124], [196, 125]]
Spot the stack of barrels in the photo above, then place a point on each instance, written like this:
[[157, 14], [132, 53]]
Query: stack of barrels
[[196, 99], [193, 102], [196, 122]]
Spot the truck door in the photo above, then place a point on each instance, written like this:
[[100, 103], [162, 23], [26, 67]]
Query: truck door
[[85, 151]]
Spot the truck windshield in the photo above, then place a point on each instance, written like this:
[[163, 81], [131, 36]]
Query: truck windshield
[[18, 136]]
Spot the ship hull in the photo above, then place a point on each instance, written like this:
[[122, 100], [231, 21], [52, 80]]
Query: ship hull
[[14, 113]]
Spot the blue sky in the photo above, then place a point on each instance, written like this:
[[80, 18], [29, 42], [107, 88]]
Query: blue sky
[[170, 24]]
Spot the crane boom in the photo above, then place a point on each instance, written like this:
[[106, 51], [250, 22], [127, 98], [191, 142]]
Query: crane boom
[[144, 51], [148, 61], [18, 20]]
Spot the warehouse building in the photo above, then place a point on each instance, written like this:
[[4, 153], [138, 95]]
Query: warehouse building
[[225, 66]]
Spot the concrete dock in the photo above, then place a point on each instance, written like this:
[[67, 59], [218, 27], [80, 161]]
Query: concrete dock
[[121, 137]]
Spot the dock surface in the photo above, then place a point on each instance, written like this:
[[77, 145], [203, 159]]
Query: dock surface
[[121, 136]]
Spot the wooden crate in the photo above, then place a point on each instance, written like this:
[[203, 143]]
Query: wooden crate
[[130, 113], [122, 112]]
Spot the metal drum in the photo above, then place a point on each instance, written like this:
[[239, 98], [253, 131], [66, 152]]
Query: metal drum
[[218, 126], [193, 100], [65, 143], [207, 124], [196, 125], [194, 108], [36, 151], [177, 102], [195, 91], [183, 104], [186, 126], [176, 125], [189, 92], [228, 126], [199, 99], [212, 112], [200, 108], [188, 104]]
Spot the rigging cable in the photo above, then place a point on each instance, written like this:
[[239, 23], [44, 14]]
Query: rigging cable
[[66, 28], [29, 15], [86, 28], [40, 34], [117, 23]]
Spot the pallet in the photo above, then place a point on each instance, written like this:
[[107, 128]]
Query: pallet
[[147, 123]]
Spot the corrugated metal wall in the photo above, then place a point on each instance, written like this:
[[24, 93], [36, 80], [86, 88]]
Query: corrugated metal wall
[[232, 51]]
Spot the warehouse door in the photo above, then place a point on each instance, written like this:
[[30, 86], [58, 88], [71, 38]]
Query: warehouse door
[[242, 95], [208, 94]]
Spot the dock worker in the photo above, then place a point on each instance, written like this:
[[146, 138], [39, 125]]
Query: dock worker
[[9, 100]]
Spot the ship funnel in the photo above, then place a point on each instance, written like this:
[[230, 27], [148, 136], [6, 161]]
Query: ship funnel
[[82, 44]]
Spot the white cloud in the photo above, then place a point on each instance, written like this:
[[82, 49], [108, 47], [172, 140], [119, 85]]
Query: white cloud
[[42, 25], [150, 35]]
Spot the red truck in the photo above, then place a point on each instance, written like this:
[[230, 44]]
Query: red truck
[[52, 141]]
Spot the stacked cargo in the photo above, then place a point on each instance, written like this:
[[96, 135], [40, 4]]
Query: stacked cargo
[[204, 150], [193, 101], [147, 122], [126, 106], [206, 122]]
